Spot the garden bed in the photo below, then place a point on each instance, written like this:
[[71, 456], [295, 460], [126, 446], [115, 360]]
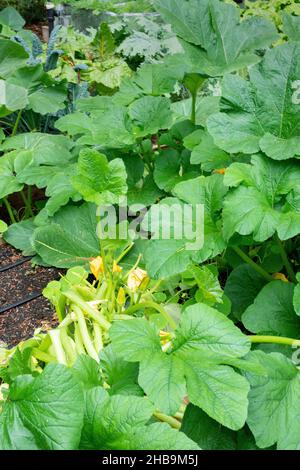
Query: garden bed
[[17, 284]]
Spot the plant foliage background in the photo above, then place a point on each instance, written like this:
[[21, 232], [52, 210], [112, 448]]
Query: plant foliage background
[[174, 348]]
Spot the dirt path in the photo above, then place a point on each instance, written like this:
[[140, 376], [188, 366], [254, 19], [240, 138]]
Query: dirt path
[[17, 284]]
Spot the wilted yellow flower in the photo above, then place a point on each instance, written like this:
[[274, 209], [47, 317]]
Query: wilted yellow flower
[[121, 297], [137, 278], [97, 266], [116, 268], [280, 277], [220, 171]]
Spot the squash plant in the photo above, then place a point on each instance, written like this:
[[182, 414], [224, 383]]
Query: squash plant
[[210, 347]]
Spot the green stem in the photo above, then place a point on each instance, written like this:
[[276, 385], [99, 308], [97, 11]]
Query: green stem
[[285, 260], [102, 252], [95, 315], [167, 419], [67, 321], [85, 334], [42, 356], [15, 128], [59, 351], [194, 104], [156, 286], [68, 345], [9, 210], [78, 340], [155, 306], [27, 204], [101, 291], [275, 340], [124, 253], [98, 341], [254, 265], [29, 196]]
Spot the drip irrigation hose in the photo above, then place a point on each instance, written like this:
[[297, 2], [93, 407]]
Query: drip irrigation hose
[[17, 263], [21, 302]]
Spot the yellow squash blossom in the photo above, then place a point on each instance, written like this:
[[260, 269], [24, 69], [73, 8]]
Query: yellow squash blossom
[[116, 268], [280, 277], [121, 297], [136, 278], [97, 266]]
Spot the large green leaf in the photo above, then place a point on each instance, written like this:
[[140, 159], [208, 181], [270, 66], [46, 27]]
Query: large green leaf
[[111, 127], [12, 98], [57, 180], [209, 191], [150, 114], [242, 286], [261, 114], [11, 18], [8, 181], [45, 412], [70, 238], [45, 95], [176, 238], [122, 376], [12, 57], [172, 167], [272, 311], [212, 35], [109, 73], [205, 106], [208, 434], [205, 152], [265, 200], [45, 149], [3, 227], [60, 191], [291, 26], [20, 236], [146, 193], [98, 180], [274, 402], [120, 423], [220, 392], [204, 340], [150, 79], [174, 253]]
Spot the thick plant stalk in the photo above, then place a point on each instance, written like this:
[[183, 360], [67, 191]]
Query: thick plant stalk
[[28, 209], [16, 126], [174, 423], [9, 210], [98, 341], [85, 334], [274, 340], [58, 349], [95, 315], [43, 356], [285, 260], [78, 340], [68, 345], [252, 263]]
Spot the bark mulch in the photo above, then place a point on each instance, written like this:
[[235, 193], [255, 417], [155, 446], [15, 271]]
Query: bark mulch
[[19, 283]]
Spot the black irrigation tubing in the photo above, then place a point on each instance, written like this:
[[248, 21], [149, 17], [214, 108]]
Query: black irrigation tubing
[[21, 302], [13, 265]]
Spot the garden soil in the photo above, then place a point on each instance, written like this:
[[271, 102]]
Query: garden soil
[[19, 283]]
